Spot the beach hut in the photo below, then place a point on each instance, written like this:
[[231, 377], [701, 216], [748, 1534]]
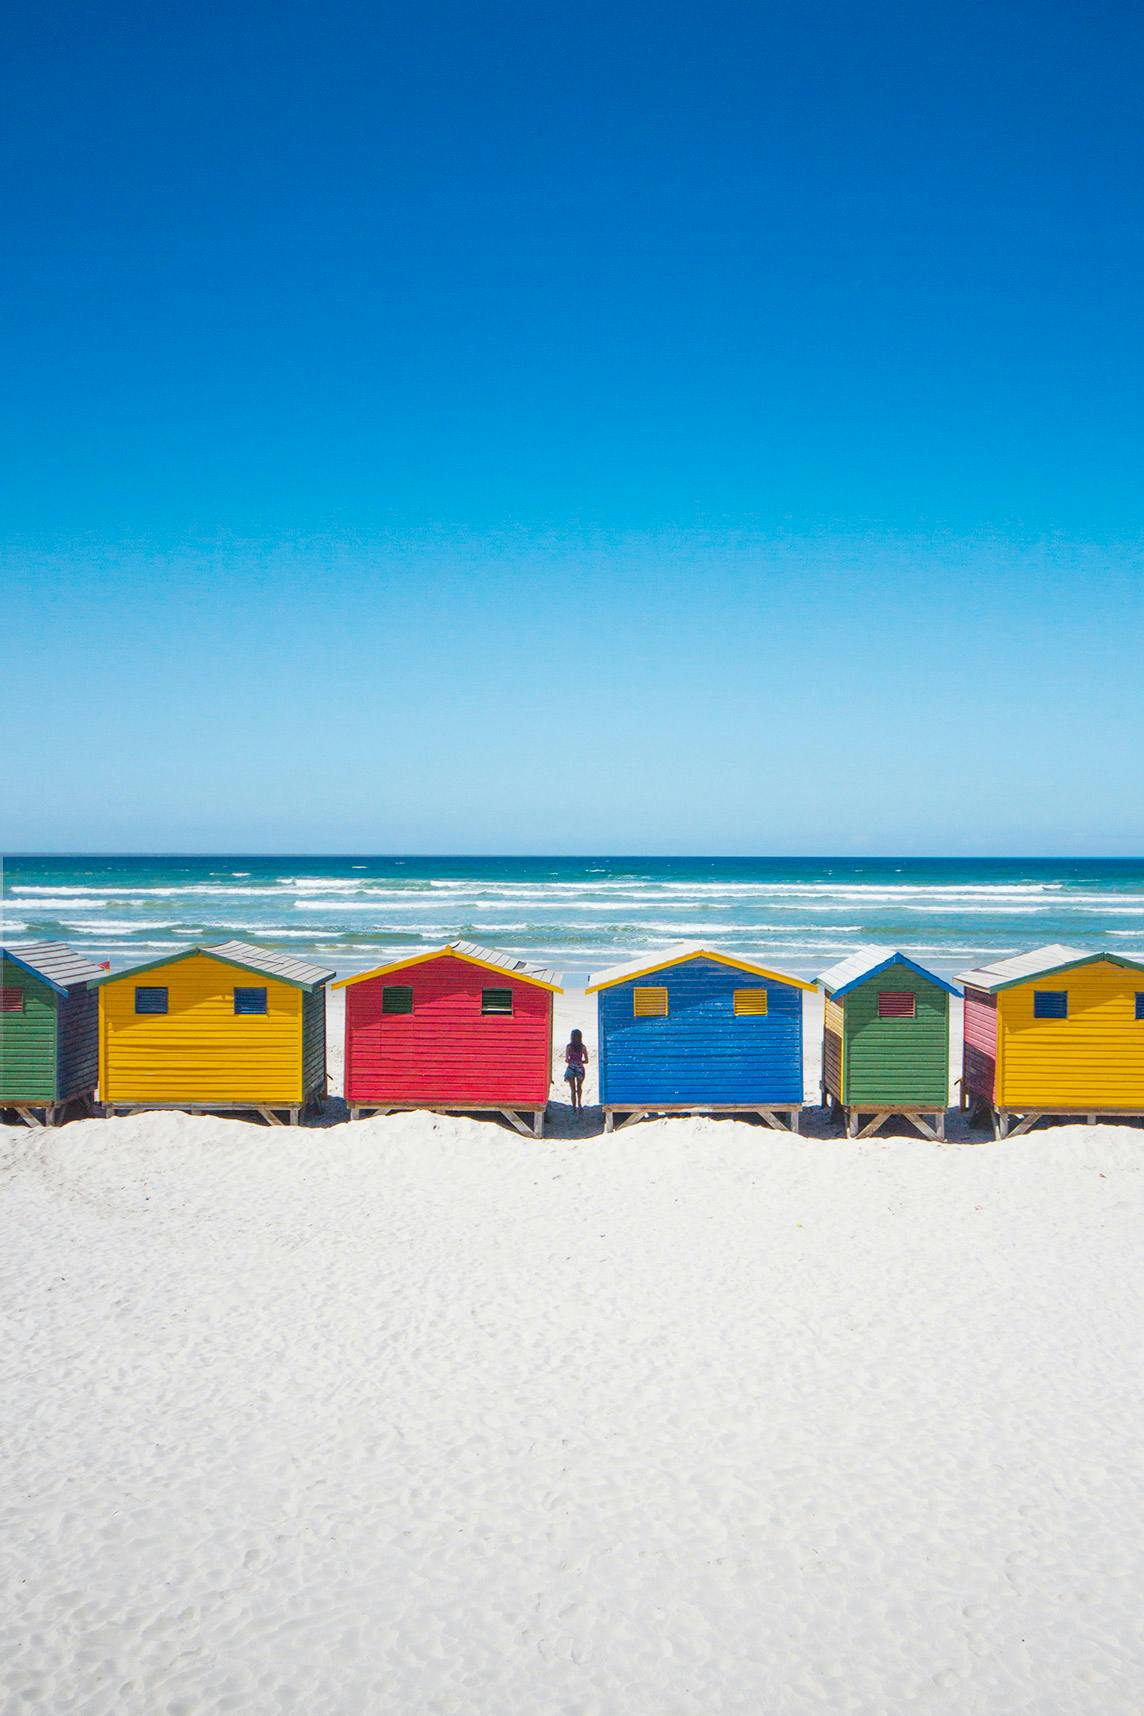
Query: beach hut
[[692, 1029], [209, 1028], [457, 1028], [1056, 1032], [885, 1041], [48, 1030]]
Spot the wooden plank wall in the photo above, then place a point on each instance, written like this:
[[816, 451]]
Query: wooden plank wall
[[78, 1026], [28, 1039], [1094, 1058], [898, 1060], [447, 1050], [702, 1052], [979, 1052], [313, 1042], [201, 1050]]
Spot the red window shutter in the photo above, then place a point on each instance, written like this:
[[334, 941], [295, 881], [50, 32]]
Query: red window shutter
[[11, 1000], [896, 1003]]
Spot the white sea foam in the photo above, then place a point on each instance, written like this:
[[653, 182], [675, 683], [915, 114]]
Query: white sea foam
[[217, 890], [58, 902], [113, 926]]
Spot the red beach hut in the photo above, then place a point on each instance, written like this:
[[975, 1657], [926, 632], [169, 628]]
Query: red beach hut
[[458, 1028]]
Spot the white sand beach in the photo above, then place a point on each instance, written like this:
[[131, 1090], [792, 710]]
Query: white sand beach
[[415, 1416]]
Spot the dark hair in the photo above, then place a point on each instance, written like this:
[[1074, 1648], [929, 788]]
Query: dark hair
[[577, 1036]]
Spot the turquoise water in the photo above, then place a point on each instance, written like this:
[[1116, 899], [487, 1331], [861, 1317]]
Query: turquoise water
[[575, 913]]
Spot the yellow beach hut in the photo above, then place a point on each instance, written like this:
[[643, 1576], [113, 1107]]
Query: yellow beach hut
[[209, 1028], [1058, 1031]]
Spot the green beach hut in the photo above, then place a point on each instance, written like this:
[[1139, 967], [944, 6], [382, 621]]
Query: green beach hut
[[885, 1041], [49, 1030]]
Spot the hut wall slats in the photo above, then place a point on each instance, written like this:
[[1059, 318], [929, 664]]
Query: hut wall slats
[[833, 1027], [77, 1025], [979, 1055], [28, 1055], [447, 1050], [1092, 1059], [200, 1050], [702, 1052], [897, 1060], [313, 1041], [832, 1062]]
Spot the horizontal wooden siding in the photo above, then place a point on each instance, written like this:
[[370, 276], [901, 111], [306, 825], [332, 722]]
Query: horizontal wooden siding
[[902, 1059], [833, 1025], [314, 1042], [200, 1050], [702, 1052], [446, 1050], [28, 1070], [77, 1020], [979, 1049], [1092, 1059]]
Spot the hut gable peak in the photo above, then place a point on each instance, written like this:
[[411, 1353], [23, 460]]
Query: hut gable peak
[[488, 959], [678, 954], [866, 962], [242, 955], [1038, 962], [54, 962]]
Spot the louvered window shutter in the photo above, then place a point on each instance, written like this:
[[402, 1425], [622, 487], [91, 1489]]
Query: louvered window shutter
[[897, 1004]]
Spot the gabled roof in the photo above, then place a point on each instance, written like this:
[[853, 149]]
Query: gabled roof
[[524, 970], [1042, 962], [283, 965], [55, 962], [678, 954], [244, 956], [866, 962]]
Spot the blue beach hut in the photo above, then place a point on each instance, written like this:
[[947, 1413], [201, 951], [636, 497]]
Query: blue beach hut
[[691, 1029]]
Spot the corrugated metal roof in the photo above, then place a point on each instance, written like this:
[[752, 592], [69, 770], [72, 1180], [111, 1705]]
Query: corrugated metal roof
[[244, 953], [865, 961], [523, 967], [487, 956], [855, 966], [675, 955], [1017, 966], [273, 964], [55, 961]]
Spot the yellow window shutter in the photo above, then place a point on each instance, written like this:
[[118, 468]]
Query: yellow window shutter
[[649, 1003], [750, 1003]]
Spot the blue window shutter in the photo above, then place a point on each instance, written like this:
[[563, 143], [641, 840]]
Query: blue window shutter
[[1140, 1003], [1050, 1003], [250, 1000], [150, 1000]]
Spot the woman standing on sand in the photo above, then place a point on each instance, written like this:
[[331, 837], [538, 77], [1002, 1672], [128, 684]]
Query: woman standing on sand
[[575, 1060]]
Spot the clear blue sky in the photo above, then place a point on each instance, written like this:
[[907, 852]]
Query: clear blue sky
[[618, 428]]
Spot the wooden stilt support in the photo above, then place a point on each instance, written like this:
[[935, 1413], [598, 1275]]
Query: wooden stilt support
[[932, 1128], [617, 1116]]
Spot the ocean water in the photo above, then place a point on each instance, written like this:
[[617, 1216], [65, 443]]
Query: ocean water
[[576, 914]]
